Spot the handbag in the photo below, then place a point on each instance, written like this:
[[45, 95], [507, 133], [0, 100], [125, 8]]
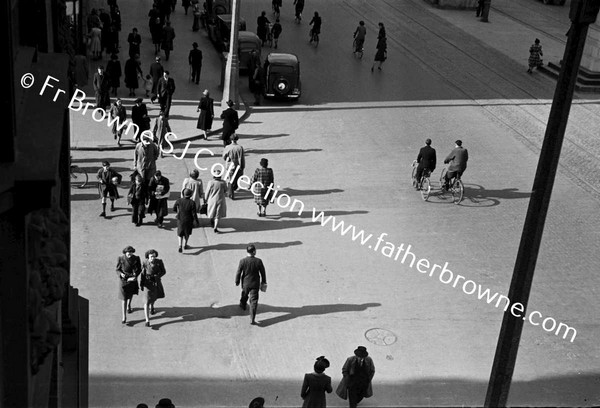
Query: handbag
[[204, 209]]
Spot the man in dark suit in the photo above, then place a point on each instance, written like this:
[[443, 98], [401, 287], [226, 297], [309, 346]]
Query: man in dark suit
[[195, 60], [426, 159], [251, 273], [156, 71], [230, 123], [101, 85], [139, 116], [165, 91], [457, 158]]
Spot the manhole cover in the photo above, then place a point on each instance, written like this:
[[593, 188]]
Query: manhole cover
[[381, 337]]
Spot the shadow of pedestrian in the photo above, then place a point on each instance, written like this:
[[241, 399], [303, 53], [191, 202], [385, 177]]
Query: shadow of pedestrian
[[194, 314], [307, 310], [243, 246]]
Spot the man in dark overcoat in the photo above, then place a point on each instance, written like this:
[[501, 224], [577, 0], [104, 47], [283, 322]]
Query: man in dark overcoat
[[230, 123], [426, 159], [457, 158], [101, 85], [156, 71], [195, 60], [165, 91], [139, 116], [251, 273]]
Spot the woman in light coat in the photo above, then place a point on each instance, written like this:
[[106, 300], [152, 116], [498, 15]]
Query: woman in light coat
[[215, 197]]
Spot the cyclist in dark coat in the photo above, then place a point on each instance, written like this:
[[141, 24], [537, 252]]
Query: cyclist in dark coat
[[426, 159]]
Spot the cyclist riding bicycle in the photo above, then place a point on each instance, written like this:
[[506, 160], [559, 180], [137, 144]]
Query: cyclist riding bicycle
[[316, 27], [359, 36], [457, 158], [427, 161]]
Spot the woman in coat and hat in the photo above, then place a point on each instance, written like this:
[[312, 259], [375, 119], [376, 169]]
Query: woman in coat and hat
[[207, 113], [264, 176], [153, 270], [187, 215], [128, 269], [215, 197], [357, 372], [315, 385]]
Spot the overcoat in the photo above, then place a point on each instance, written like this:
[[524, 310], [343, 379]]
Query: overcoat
[[130, 268], [215, 198], [313, 390], [151, 280], [348, 370], [207, 112]]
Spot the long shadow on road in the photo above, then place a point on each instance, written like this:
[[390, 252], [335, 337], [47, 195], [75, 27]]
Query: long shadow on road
[[194, 314]]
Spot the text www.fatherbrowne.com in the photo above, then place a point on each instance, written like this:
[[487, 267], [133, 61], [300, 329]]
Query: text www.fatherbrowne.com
[[403, 254], [400, 252]]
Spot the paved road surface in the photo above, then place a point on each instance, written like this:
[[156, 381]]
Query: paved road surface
[[346, 150]]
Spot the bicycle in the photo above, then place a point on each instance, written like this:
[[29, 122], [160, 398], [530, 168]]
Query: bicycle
[[456, 186], [424, 184], [79, 177], [357, 47]]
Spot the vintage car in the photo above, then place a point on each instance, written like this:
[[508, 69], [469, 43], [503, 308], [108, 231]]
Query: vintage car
[[220, 31], [247, 43], [282, 76]]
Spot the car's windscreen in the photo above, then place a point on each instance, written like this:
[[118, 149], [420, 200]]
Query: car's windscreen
[[282, 69]]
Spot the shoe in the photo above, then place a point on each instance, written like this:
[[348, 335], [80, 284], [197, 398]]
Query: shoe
[[102, 214], [242, 306], [129, 310], [186, 247], [137, 224], [112, 208], [152, 311], [124, 321], [147, 324], [379, 68], [253, 323], [216, 231], [259, 214]]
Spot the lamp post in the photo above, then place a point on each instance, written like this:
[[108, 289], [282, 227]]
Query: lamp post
[[232, 73], [583, 12]]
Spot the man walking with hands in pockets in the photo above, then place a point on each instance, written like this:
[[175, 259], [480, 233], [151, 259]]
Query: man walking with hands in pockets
[[251, 273]]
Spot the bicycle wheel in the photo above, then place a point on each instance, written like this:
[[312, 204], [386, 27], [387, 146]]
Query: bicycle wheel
[[79, 177], [458, 190], [425, 188], [413, 175]]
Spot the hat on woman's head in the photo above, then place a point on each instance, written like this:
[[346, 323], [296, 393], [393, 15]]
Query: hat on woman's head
[[258, 402], [264, 162], [361, 351], [129, 248], [321, 364], [187, 192], [165, 403]]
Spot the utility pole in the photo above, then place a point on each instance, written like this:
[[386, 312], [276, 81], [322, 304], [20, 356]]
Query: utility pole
[[582, 13], [232, 73]]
